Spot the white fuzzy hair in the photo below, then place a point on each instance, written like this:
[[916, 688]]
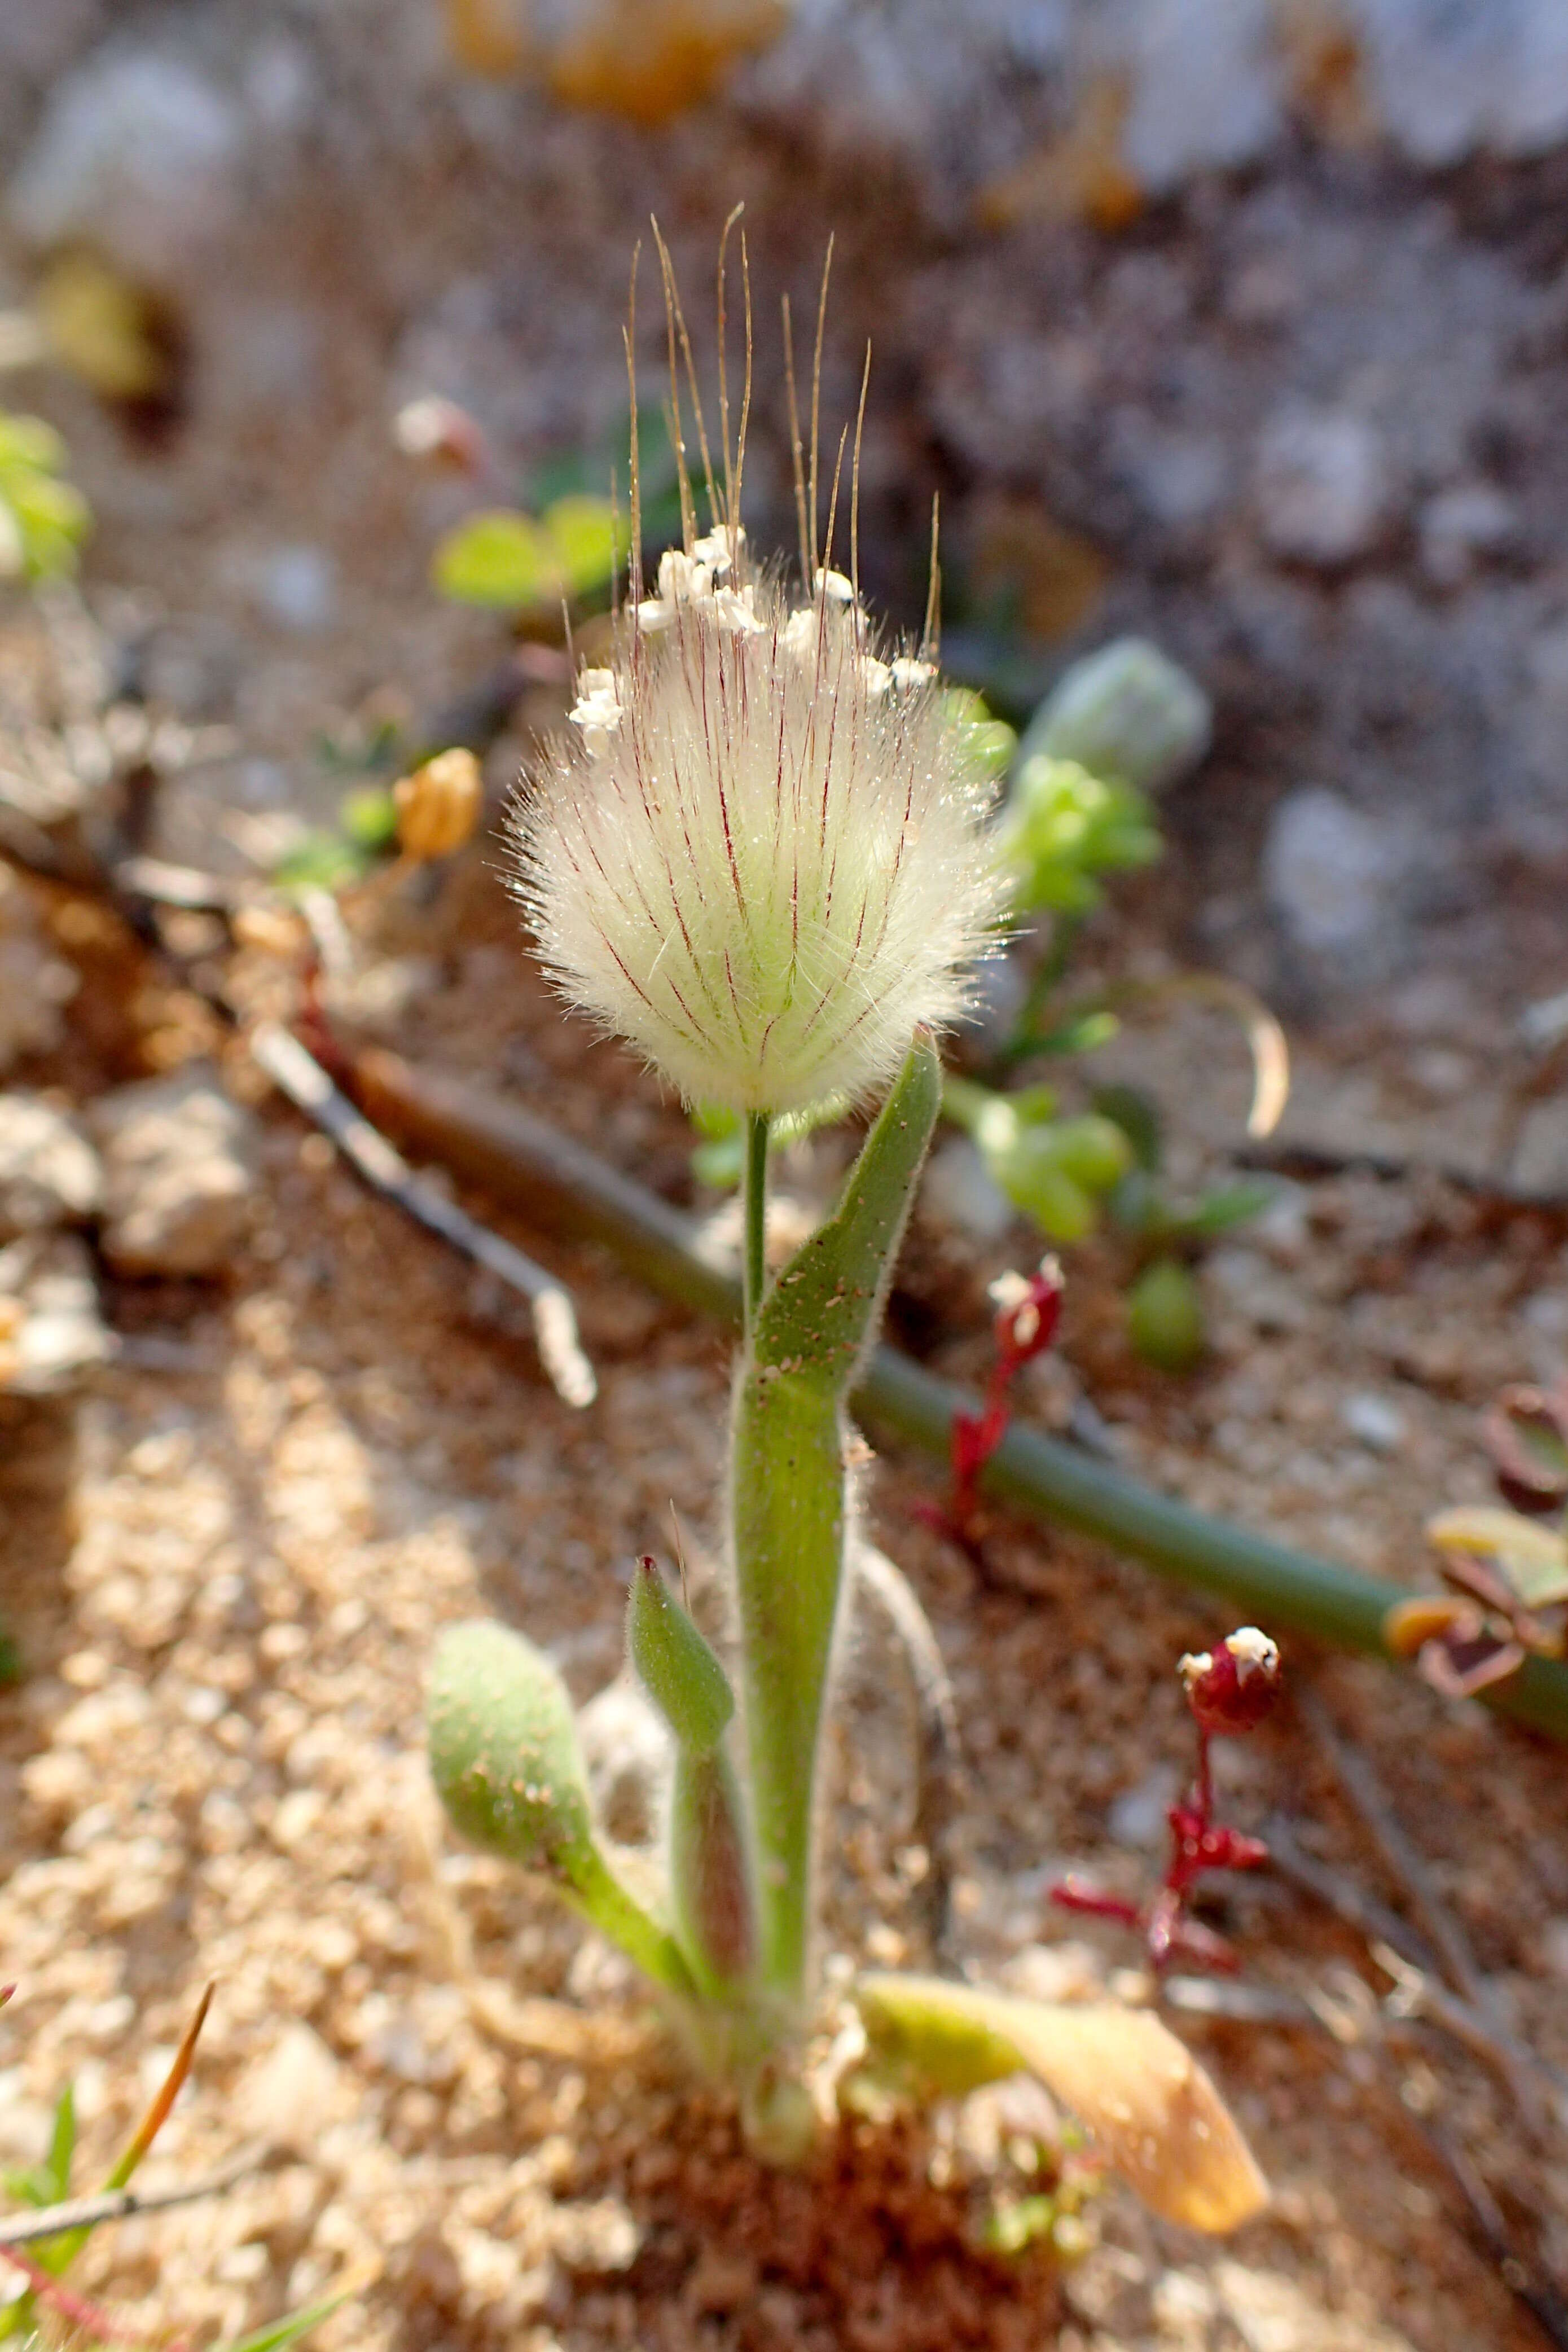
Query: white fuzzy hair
[[763, 858]]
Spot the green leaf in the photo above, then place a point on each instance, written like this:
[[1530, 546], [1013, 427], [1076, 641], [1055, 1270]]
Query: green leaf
[[1063, 827], [504, 1759], [62, 2148], [515, 561], [1138, 1117], [1533, 1559], [787, 1496], [319, 861], [1165, 1316], [369, 819], [588, 546], [503, 559], [675, 1665], [1227, 1207], [1127, 712], [1144, 2098], [288, 2330], [42, 517]]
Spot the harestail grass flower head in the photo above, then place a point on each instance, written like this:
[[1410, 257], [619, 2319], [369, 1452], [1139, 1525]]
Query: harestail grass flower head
[[762, 859], [760, 856]]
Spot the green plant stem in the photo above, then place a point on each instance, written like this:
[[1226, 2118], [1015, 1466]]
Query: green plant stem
[[754, 1188], [521, 1160]]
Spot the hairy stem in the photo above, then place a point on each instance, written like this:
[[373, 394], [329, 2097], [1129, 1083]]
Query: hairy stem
[[787, 1494], [753, 1258]]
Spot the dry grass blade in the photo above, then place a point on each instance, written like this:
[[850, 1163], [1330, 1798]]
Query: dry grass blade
[[157, 2115], [1265, 1039]]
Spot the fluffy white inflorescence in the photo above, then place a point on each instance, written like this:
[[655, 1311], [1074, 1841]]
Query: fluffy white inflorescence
[[762, 857]]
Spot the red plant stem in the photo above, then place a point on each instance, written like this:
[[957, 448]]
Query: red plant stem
[[71, 2306]]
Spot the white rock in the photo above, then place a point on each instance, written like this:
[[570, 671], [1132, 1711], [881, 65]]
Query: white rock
[[49, 1173], [179, 1163], [1463, 525], [1127, 711], [1322, 485], [51, 1332], [1205, 88], [1376, 1420], [297, 586], [628, 1758], [960, 1193], [1327, 870], [1137, 1818], [1447, 80], [287, 2096], [136, 154]]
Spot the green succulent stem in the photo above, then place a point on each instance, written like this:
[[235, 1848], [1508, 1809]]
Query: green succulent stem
[[805, 1348], [754, 1187]]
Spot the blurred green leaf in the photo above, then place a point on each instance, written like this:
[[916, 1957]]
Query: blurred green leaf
[[320, 861], [369, 818], [1011, 2229], [717, 1159], [1063, 828], [1138, 1117], [1165, 1316], [1227, 1205], [503, 559], [43, 518], [513, 561], [587, 541], [280, 2332], [990, 741]]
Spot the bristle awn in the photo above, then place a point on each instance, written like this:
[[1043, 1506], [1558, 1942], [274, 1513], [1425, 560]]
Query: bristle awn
[[855, 502], [672, 415], [745, 407], [833, 503], [615, 543], [796, 451], [816, 404], [930, 635], [827, 560], [729, 511], [629, 338], [565, 626], [672, 297]]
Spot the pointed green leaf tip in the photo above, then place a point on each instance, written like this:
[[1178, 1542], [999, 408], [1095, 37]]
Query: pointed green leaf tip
[[677, 1669], [503, 1752]]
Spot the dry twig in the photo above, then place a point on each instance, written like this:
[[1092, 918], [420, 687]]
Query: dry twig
[[119, 2204], [301, 1077]]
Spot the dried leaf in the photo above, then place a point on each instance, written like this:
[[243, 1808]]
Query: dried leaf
[[1146, 2100], [1532, 1559]]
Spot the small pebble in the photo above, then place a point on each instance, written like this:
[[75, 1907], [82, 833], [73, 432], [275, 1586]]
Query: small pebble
[[1378, 1423]]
